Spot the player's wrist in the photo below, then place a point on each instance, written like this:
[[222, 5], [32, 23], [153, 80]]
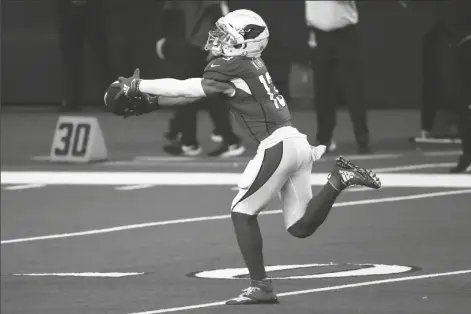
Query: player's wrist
[[135, 85]]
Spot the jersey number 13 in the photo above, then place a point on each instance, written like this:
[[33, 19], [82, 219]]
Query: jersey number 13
[[277, 99]]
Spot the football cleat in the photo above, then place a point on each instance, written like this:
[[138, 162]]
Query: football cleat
[[347, 174], [259, 292], [364, 150], [172, 137], [225, 151], [464, 165], [183, 150], [330, 147], [216, 138]]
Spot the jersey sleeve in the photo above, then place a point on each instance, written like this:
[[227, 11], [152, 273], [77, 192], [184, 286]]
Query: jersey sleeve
[[225, 69]]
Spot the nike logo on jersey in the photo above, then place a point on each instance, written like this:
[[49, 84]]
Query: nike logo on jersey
[[346, 175], [214, 65]]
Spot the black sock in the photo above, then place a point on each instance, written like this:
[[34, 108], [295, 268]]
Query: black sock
[[250, 242], [316, 211]]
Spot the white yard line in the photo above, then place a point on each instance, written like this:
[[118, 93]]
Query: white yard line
[[373, 156], [219, 217], [360, 189], [24, 187], [443, 153], [86, 274], [114, 178], [247, 158], [307, 291], [149, 160], [415, 167], [41, 158], [134, 187]]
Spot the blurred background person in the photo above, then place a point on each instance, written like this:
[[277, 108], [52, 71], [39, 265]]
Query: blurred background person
[[454, 63], [81, 22], [138, 46], [437, 118], [456, 18], [446, 74], [337, 65], [288, 38], [464, 107], [185, 29]]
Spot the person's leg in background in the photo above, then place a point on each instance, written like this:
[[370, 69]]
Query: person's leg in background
[[219, 112], [183, 126], [186, 116], [350, 78], [175, 66], [71, 21], [430, 83], [448, 75], [464, 108], [279, 71], [326, 99], [139, 44], [98, 38]]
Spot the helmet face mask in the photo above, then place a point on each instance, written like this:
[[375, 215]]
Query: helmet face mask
[[219, 38], [240, 33]]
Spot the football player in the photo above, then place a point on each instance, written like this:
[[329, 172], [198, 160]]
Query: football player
[[283, 162]]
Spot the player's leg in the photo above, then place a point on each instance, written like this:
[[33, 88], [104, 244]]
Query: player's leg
[[296, 192], [261, 181], [303, 214]]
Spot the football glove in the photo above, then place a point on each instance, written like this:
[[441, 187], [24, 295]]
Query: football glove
[[124, 106], [129, 86], [142, 104]]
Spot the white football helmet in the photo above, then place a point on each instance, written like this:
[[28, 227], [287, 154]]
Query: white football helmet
[[239, 33]]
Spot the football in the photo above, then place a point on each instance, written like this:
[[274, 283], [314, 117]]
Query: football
[[111, 104]]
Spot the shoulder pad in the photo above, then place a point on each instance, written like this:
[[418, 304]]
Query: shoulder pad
[[227, 68]]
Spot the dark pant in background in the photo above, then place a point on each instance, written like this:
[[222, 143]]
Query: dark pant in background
[[188, 61], [80, 21], [338, 80], [279, 72], [464, 99], [440, 77]]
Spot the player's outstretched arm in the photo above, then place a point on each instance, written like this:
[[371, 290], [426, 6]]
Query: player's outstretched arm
[[180, 92]]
